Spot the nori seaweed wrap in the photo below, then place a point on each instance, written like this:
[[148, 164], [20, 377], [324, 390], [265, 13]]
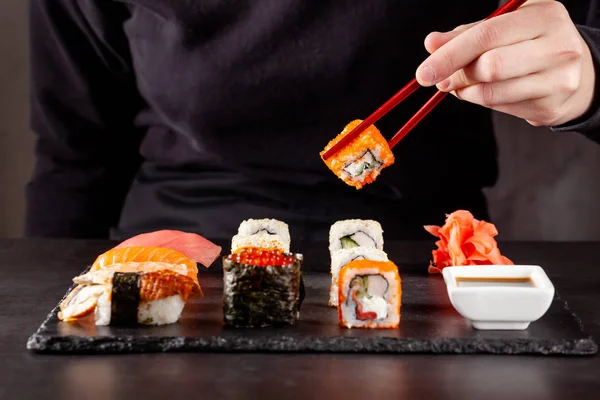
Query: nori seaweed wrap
[[125, 298], [262, 288]]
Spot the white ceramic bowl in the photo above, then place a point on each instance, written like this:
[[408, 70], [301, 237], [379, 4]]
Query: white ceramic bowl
[[500, 306]]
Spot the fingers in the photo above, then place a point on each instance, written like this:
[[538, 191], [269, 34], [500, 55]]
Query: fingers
[[531, 63], [503, 30], [539, 98], [435, 40], [535, 113], [508, 62], [511, 91]]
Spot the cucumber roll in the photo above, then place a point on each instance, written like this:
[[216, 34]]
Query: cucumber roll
[[353, 233], [262, 288]]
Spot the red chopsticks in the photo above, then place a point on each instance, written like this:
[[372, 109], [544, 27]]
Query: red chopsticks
[[406, 91]]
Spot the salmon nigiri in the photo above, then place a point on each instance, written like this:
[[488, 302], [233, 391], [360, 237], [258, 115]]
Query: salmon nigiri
[[139, 258], [194, 246], [464, 240]]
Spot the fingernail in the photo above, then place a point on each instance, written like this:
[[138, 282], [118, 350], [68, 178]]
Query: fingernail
[[426, 73]]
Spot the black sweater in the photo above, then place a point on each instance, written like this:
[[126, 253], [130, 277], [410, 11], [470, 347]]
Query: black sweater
[[196, 114]]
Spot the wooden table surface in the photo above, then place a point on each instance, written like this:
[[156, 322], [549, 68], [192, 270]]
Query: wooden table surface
[[34, 275]]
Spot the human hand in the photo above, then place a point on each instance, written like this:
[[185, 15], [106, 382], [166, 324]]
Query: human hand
[[531, 63]]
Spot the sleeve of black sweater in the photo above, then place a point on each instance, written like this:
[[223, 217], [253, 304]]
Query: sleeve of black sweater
[[83, 105], [589, 124], [589, 28]]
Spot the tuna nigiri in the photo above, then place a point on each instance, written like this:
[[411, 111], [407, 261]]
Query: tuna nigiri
[[464, 240], [194, 246]]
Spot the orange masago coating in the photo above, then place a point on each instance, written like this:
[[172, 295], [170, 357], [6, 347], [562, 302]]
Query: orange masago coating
[[389, 271], [464, 240], [361, 161]]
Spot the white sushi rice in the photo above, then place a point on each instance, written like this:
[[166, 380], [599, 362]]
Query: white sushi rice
[[366, 233], [251, 227], [161, 312], [358, 168], [103, 309], [262, 240], [389, 295], [157, 312], [342, 257]]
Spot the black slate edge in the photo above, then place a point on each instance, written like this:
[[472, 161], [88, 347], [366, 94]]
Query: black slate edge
[[557, 297], [38, 337], [129, 344]]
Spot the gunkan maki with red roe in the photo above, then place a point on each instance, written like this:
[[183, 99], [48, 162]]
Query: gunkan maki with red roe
[[262, 288]]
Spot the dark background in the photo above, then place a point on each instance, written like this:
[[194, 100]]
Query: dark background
[[547, 189]]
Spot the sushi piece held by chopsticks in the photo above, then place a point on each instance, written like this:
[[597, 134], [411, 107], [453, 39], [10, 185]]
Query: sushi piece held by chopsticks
[[331, 155], [360, 162]]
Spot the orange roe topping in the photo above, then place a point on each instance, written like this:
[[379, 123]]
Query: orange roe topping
[[261, 257]]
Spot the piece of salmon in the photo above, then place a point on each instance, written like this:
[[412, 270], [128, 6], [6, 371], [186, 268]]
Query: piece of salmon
[[464, 240], [138, 259], [194, 246]]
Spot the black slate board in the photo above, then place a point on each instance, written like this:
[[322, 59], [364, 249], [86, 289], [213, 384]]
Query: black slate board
[[429, 324]]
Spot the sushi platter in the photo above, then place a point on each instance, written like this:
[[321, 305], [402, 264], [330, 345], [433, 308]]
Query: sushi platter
[[353, 294]]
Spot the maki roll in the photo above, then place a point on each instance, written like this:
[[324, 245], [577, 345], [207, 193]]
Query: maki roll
[[128, 298], [370, 295], [262, 233], [360, 162], [251, 227], [355, 233], [262, 288], [342, 257], [260, 240]]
